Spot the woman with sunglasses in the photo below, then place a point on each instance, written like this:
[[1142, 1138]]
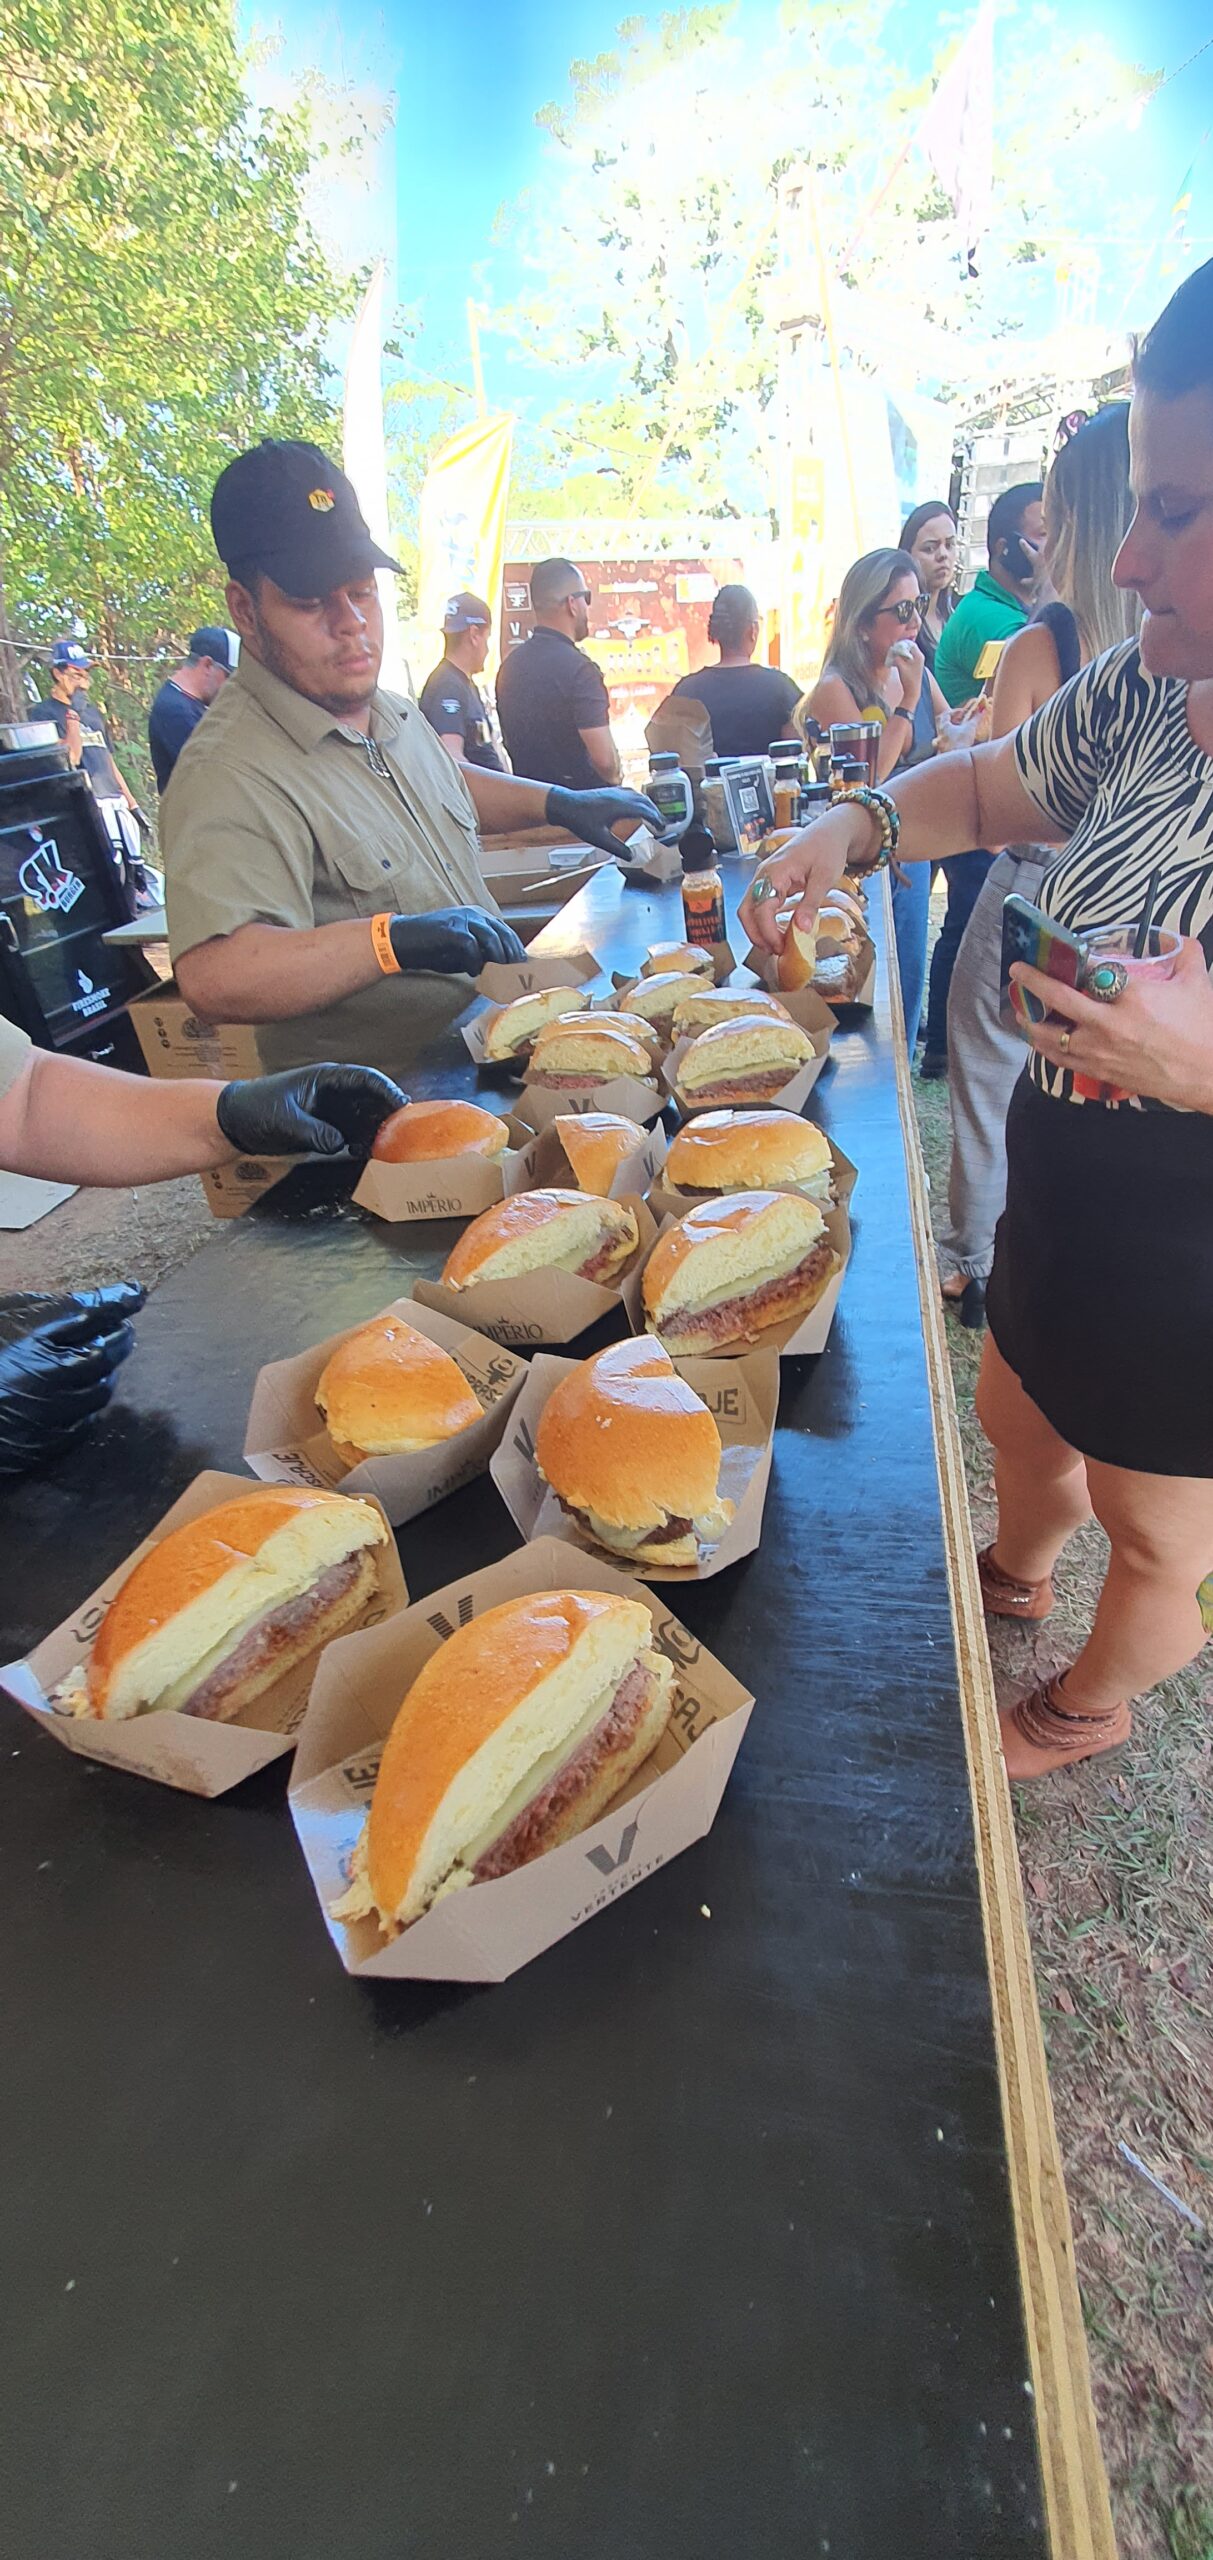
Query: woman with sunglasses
[[1096, 1384], [875, 670], [929, 539]]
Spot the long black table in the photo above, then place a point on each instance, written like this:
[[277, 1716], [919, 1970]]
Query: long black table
[[693, 2241]]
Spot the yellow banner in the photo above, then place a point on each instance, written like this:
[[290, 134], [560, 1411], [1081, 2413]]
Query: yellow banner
[[462, 533]]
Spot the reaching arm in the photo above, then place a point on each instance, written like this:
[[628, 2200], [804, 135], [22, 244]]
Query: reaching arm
[[69, 1121], [270, 972]]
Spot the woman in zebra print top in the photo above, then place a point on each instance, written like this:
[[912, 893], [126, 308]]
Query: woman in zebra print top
[[1097, 1375]]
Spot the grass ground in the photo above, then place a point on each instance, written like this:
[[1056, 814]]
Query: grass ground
[[1117, 1865]]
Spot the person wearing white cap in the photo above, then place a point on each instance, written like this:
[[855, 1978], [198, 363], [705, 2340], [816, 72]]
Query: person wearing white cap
[[451, 700]]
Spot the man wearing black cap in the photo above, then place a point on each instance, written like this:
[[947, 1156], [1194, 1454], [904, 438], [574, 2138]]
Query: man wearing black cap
[[318, 840], [183, 697], [451, 701]]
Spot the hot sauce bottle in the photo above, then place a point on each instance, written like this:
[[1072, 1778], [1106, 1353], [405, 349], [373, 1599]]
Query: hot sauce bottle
[[702, 888]]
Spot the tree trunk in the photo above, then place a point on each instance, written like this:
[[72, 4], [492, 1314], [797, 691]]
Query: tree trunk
[[14, 700]]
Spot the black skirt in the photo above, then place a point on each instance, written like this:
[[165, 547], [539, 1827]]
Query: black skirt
[[1101, 1295]]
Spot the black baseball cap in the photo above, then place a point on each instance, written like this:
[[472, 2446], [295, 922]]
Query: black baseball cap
[[466, 612], [285, 508], [212, 641]]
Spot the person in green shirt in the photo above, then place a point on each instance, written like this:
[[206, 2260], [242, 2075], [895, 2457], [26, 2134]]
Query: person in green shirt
[[1001, 597]]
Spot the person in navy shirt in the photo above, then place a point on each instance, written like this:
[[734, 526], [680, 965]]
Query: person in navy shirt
[[183, 697], [450, 699]]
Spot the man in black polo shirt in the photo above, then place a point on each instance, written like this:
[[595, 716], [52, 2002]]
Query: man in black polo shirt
[[449, 698], [552, 702], [183, 697]]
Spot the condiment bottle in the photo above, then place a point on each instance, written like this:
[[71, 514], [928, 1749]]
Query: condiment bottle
[[814, 797], [669, 787], [846, 772], [785, 789], [702, 889]]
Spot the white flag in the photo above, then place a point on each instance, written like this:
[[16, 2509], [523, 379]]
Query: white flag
[[366, 461], [957, 133]]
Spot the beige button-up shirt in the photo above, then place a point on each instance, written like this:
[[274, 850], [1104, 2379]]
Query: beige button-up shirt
[[275, 815]]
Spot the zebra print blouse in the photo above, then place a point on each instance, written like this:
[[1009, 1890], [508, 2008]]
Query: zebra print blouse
[[1110, 758]]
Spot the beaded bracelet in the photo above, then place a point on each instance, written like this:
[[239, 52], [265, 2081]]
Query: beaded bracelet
[[887, 817]]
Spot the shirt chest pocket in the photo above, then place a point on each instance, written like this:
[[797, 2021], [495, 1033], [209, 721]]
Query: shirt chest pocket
[[368, 874]]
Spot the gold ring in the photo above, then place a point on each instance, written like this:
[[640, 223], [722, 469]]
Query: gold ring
[[1064, 1041]]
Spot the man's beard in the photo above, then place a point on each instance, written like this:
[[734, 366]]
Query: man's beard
[[280, 663]]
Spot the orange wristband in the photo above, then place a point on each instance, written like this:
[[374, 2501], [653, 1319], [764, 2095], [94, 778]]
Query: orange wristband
[[381, 938]]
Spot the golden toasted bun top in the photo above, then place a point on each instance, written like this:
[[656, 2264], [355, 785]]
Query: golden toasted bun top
[[596, 1144], [423, 1131], [666, 957], [518, 1022], [188, 1563], [459, 1700], [541, 1215], [626, 1437], [797, 960], [656, 997], [591, 1044], [750, 1040], [749, 1234], [633, 1023], [723, 1004], [745, 1151], [389, 1384]]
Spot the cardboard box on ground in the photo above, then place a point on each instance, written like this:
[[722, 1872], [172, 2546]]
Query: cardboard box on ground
[[190, 1752], [743, 1396], [176, 1044], [285, 1441], [486, 1932]]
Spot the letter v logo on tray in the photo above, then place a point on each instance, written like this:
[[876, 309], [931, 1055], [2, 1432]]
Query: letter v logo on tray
[[602, 1859]]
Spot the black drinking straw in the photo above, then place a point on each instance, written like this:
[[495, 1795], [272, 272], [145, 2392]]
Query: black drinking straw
[[1147, 914]]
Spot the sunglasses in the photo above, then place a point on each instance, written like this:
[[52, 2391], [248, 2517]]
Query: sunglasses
[[581, 595], [911, 609]]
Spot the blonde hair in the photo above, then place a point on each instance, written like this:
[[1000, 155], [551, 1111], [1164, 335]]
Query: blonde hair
[[1088, 507], [861, 594]]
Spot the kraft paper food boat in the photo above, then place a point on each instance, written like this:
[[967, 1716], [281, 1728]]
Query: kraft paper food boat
[[488, 1931], [446, 1186], [204, 1759], [285, 1441], [811, 1016], [636, 1101], [767, 967], [794, 1340], [667, 1201], [502, 980], [724, 965], [547, 1166], [541, 1306], [743, 1394]]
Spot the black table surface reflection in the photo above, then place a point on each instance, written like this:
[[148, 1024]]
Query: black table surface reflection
[[691, 2242]]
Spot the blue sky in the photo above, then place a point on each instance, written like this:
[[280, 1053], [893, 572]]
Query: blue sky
[[469, 75]]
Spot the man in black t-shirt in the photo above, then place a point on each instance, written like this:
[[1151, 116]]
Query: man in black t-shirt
[[183, 697], [85, 734], [450, 700], [553, 705], [747, 705]]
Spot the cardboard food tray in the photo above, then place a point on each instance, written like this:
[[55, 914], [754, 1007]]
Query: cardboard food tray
[[446, 1186], [545, 1164], [502, 980], [626, 1094], [794, 1340], [286, 1443], [767, 967], [812, 1016], [189, 1752], [743, 1396], [485, 1933], [723, 964], [666, 1200], [539, 1306]]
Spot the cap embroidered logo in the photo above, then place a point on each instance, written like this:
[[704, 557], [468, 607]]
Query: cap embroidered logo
[[322, 500]]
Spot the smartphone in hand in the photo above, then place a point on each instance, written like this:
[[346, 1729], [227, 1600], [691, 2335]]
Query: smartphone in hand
[[1028, 934]]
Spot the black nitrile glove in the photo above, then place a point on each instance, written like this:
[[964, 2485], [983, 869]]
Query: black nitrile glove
[[307, 1111], [57, 1358], [453, 938], [592, 815]]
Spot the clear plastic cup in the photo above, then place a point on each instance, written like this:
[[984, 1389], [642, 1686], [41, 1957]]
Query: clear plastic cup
[[1115, 942]]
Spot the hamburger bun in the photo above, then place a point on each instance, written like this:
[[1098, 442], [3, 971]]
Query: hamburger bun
[[218, 1610], [747, 1060], [516, 1734], [680, 957], [752, 1151], [588, 1051], [544, 1231], [389, 1389], [634, 1456], [722, 1004], [838, 925], [657, 997], [633, 1023], [596, 1143], [836, 977], [725, 1273], [509, 1032], [424, 1131], [797, 960]]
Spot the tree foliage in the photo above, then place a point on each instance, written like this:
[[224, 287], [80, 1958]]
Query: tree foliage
[[163, 303]]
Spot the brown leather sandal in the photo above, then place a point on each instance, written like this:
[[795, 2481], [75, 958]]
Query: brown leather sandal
[[1004, 1597], [1039, 1735]]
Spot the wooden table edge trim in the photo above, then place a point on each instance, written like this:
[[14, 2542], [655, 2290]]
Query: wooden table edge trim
[[1077, 2506]]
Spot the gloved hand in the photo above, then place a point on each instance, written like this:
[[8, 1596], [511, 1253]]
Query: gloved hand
[[592, 815], [57, 1359], [307, 1111], [453, 938]]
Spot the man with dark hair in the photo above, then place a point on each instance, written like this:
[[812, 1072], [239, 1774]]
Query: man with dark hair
[[747, 704], [183, 697], [322, 862], [450, 699], [1001, 597], [90, 748], [552, 702]]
